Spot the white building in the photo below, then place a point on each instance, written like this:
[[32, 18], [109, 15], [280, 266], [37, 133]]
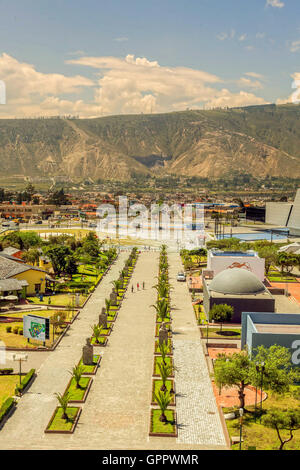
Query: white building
[[294, 219], [218, 261], [285, 214]]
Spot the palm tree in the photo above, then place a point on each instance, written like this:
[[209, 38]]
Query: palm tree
[[163, 349], [165, 372], [76, 373], [63, 401], [163, 399], [97, 330], [162, 308], [108, 304], [117, 285]]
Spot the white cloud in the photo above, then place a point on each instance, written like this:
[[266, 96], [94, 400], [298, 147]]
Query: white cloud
[[295, 90], [254, 75], [260, 35], [243, 37], [121, 85], [138, 85], [248, 83], [275, 3], [295, 46], [121, 39], [27, 89]]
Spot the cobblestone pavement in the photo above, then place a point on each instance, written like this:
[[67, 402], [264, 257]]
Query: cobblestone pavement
[[197, 413]]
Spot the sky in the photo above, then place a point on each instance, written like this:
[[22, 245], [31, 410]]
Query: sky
[[94, 58]]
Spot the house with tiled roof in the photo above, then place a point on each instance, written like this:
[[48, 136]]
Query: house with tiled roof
[[36, 278]]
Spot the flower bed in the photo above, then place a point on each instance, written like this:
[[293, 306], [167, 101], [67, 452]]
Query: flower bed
[[156, 386], [91, 370], [158, 360], [59, 425], [102, 341], [169, 350], [161, 429], [79, 394]]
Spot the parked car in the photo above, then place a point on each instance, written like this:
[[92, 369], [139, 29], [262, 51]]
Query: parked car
[[181, 277]]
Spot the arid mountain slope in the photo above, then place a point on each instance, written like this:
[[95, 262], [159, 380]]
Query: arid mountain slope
[[259, 140]]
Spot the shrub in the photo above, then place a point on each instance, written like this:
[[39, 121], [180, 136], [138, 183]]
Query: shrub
[[21, 331], [8, 329], [6, 407], [19, 388], [6, 371], [16, 330]]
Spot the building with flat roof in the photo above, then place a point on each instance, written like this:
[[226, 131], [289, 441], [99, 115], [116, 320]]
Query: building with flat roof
[[239, 288], [218, 260], [267, 329]]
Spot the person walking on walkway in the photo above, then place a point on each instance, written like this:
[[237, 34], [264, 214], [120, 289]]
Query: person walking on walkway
[[143, 285], [138, 286], [132, 289]]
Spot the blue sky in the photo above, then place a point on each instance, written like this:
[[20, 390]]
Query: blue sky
[[233, 52]]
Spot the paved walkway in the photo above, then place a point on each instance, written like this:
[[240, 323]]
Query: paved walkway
[[25, 429], [197, 413]]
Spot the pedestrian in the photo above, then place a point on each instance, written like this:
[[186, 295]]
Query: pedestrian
[[143, 285], [132, 289], [137, 286]]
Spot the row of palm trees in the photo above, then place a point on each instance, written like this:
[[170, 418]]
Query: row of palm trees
[[78, 370], [163, 314]]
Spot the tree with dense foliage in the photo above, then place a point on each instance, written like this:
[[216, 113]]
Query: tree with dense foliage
[[58, 256], [221, 313], [240, 371], [282, 420]]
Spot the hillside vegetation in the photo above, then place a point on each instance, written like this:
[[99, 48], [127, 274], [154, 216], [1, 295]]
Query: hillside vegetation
[[258, 140]]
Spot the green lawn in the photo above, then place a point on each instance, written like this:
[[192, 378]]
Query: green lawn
[[78, 393], [226, 332], [158, 360], [157, 386], [13, 340], [259, 436], [41, 313], [57, 299], [276, 276], [7, 386], [163, 428], [60, 424], [90, 369]]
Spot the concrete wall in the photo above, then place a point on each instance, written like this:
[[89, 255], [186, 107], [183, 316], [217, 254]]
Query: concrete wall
[[252, 263], [252, 338], [277, 213], [243, 304], [294, 222]]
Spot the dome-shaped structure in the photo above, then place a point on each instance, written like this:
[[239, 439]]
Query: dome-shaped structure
[[236, 281]]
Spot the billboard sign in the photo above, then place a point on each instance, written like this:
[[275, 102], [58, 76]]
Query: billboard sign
[[35, 327]]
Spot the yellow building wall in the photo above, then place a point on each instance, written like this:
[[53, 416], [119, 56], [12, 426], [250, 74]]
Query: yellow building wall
[[46, 266], [33, 277]]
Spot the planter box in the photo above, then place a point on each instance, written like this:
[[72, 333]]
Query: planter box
[[103, 343], [169, 361], [63, 431], [97, 360], [170, 350], [170, 384], [157, 428], [86, 391]]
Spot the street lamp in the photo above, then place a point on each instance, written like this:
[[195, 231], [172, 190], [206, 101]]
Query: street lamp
[[260, 368], [20, 358], [241, 412]]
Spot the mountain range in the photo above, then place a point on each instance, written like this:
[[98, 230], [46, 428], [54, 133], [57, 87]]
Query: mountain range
[[256, 140]]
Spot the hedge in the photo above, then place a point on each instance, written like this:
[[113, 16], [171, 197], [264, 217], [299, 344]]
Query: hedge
[[6, 407], [19, 388], [6, 371]]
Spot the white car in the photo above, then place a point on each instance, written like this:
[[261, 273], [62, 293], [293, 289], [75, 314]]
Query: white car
[[181, 277]]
